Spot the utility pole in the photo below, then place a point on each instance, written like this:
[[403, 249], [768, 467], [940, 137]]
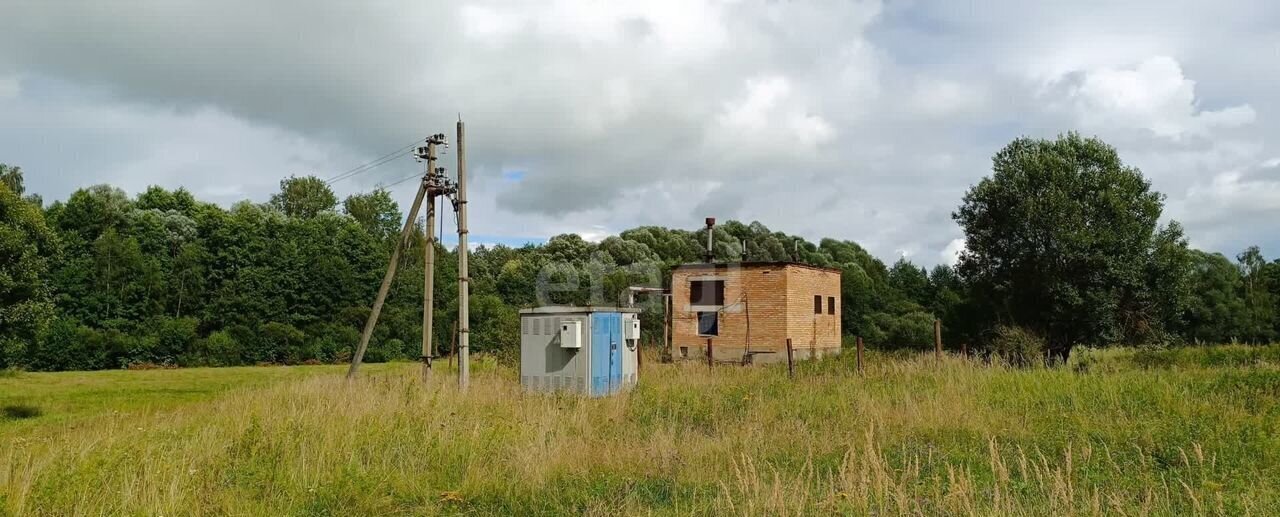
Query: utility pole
[[464, 280], [391, 264], [428, 275]]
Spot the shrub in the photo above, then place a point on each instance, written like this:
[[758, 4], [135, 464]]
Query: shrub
[[913, 330], [384, 350], [220, 349], [278, 342], [171, 338], [1017, 346]]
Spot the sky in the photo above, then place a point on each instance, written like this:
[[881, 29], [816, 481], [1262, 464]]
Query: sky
[[858, 120]]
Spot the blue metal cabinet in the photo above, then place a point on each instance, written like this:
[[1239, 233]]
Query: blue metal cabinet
[[604, 363], [606, 353]]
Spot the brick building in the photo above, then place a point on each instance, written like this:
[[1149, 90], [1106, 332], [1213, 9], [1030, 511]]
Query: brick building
[[749, 309]]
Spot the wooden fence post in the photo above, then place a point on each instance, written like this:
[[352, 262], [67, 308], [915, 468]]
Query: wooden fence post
[[791, 365], [937, 339], [859, 354], [710, 357]]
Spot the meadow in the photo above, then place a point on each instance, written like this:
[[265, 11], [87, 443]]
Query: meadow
[[1115, 432]]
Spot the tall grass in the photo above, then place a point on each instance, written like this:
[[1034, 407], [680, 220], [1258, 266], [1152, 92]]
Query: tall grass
[[909, 437]]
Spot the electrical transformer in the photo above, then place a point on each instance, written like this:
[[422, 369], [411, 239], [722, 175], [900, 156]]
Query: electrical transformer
[[589, 350]]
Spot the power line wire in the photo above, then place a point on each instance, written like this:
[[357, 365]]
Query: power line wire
[[402, 181], [368, 167], [374, 163]]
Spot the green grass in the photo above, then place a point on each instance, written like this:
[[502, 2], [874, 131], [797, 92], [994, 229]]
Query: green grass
[[1106, 435], [63, 399]]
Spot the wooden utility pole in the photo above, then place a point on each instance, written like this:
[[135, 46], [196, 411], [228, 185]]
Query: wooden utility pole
[[791, 364], [937, 339], [859, 354], [464, 281], [391, 271]]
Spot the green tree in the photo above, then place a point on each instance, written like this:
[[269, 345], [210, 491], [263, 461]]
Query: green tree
[[375, 211], [304, 197], [1258, 321], [1216, 311], [11, 176], [1063, 239], [26, 245], [911, 281]]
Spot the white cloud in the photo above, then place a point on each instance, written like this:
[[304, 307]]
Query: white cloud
[[951, 254], [769, 118], [944, 97], [1154, 95]]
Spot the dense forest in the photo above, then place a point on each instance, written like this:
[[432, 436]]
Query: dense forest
[[1063, 246]]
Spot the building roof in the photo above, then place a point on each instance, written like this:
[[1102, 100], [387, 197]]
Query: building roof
[[577, 309], [752, 264]]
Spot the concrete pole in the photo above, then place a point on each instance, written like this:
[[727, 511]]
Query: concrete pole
[[386, 279], [428, 282], [464, 280]]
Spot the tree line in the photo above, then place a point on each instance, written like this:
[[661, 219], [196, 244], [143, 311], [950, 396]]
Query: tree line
[[1064, 248]]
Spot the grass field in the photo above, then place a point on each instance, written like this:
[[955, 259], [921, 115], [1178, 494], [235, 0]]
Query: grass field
[[1117, 432]]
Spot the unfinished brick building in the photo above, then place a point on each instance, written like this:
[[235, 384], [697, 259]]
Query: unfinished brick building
[[749, 309]]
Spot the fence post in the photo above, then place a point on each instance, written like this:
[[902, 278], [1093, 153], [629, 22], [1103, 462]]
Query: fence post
[[791, 365], [964, 350], [859, 354], [710, 357], [937, 339]]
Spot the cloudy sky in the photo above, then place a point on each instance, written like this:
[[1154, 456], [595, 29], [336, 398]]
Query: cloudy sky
[[856, 120]]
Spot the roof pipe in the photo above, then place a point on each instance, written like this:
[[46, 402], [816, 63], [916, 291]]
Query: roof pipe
[[711, 228]]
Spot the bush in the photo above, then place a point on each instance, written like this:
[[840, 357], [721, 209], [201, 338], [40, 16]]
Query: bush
[[67, 345], [219, 349], [1017, 346], [384, 350], [912, 330], [279, 342], [172, 337], [328, 342]]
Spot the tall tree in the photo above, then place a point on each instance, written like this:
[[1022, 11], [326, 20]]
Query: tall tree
[[1063, 239], [375, 211], [11, 176], [304, 197], [1259, 315], [26, 245]]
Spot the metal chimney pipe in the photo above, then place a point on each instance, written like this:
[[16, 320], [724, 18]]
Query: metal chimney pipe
[[711, 228]]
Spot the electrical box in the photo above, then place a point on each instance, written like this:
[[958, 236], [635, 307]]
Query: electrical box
[[632, 328], [579, 349], [571, 334]]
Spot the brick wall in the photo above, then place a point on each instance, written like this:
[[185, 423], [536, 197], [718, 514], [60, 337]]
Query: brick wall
[[774, 300], [806, 328]]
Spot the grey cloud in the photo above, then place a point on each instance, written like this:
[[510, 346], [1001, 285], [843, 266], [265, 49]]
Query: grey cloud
[[868, 120]]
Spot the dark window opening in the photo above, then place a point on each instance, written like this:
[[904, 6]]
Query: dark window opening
[[817, 304], [831, 305], [709, 323], [706, 292]]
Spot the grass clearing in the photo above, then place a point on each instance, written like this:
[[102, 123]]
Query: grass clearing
[[909, 437]]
